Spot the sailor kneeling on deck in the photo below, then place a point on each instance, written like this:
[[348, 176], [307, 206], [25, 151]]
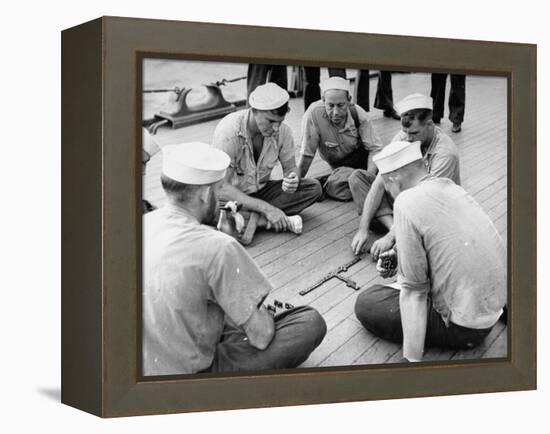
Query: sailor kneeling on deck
[[345, 139], [255, 140], [203, 294], [451, 262], [440, 156]]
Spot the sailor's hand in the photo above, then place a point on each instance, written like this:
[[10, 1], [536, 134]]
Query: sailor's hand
[[359, 241], [276, 219], [382, 245], [385, 268], [290, 182]]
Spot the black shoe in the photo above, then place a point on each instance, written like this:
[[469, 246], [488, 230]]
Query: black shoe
[[457, 127], [391, 114]]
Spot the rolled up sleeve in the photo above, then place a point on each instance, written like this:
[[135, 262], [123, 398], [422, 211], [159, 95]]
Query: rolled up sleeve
[[370, 139], [310, 135], [287, 150], [444, 165], [413, 268]]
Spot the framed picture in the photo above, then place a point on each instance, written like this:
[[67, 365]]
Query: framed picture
[[306, 119]]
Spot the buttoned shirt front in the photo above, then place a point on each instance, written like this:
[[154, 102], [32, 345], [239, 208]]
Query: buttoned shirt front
[[441, 156], [334, 143], [195, 279], [448, 247], [232, 136]]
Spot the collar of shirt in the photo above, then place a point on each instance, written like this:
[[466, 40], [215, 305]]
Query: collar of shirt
[[432, 144], [245, 134], [180, 212], [348, 126]]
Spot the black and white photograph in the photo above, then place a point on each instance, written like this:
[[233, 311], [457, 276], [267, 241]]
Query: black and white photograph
[[312, 216]]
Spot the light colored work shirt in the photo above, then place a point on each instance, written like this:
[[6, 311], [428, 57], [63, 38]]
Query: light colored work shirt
[[232, 136], [448, 247], [441, 156], [194, 279], [334, 143]]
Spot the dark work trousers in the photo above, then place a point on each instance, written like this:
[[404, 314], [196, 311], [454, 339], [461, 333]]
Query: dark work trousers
[[298, 332], [377, 308], [312, 91], [307, 193], [384, 93], [457, 97], [261, 74]]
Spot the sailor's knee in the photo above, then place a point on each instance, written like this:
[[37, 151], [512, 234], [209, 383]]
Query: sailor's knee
[[360, 178], [366, 308], [314, 325], [312, 186]]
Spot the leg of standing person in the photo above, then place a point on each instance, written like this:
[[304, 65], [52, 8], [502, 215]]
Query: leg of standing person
[[384, 96], [261, 74], [457, 101], [297, 333], [377, 308], [337, 72], [362, 89], [438, 96], [312, 92], [308, 192]]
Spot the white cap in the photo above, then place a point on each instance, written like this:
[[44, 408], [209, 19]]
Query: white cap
[[268, 96], [396, 155], [412, 102], [194, 163], [335, 83]]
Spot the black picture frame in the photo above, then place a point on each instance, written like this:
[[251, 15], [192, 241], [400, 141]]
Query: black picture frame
[[101, 216]]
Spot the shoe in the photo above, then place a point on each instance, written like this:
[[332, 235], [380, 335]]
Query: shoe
[[296, 224], [392, 114], [248, 234], [457, 127], [322, 179]]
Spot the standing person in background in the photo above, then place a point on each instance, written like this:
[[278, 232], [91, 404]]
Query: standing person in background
[[261, 74], [384, 93], [457, 99]]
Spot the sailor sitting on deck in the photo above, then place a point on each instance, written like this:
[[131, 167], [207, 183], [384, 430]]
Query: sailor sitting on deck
[[203, 293], [439, 153], [451, 262], [255, 140], [346, 140]]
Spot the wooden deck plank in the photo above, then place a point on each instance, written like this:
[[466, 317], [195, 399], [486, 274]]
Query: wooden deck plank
[[332, 341], [350, 350], [477, 352], [499, 348]]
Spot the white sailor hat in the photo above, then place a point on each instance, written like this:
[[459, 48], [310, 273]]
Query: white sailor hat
[[268, 96], [412, 102], [194, 163], [335, 83], [396, 155]]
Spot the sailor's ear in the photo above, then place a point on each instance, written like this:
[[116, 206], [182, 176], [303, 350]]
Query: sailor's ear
[[204, 193]]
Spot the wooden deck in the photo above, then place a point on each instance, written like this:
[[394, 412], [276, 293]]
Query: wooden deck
[[294, 262]]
